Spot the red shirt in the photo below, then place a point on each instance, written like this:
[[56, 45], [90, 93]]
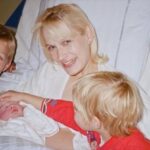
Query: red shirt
[[136, 141], [63, 112]]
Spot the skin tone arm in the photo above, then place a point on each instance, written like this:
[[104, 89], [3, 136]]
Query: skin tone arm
[[20, 96], [61, 141]]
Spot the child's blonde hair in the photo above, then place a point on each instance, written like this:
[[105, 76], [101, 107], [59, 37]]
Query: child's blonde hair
[[7, 35], [112, 98], [59, 17]]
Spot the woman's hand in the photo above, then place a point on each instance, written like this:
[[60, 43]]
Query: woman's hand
[[20, 96]]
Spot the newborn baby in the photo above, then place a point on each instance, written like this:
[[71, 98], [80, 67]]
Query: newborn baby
[[10, 110], [24, 120]]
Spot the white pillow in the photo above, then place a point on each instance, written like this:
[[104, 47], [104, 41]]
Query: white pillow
[[145, 79], [133, 47], [122, 27]]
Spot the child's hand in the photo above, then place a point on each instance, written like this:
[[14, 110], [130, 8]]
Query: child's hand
[[12, 67], [11, 96], [36, 101]]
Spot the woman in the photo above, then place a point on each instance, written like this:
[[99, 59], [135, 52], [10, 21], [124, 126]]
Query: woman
[[69, 40]]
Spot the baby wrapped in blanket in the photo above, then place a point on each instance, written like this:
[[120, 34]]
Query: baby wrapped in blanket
[[24, 121]]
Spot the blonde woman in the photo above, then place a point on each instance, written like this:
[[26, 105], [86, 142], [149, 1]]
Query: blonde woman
[[70, 43], [109, 103]]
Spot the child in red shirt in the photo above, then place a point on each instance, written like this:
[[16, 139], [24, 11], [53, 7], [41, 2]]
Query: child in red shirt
[[110, 104]]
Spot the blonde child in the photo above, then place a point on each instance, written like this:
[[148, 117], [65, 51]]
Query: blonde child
[[109, 103], [7, 49]]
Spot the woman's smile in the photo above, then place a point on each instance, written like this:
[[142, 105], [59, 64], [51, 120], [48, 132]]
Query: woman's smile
[[69, 63]]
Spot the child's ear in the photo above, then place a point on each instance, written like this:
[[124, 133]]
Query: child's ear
[[95, 123]]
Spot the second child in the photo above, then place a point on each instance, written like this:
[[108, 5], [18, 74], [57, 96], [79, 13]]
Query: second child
[[7, 49], [110, 104]]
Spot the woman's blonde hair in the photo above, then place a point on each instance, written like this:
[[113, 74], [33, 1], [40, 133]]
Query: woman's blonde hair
[[112, 98], [66, 15], [7, 35]]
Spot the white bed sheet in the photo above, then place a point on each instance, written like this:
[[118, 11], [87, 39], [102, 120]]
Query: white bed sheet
[[14, 143]]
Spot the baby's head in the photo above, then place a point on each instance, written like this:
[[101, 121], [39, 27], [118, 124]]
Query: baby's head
[[7, 48], [10, 110], [111, 99]]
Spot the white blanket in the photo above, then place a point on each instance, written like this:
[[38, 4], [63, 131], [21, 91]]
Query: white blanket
[[34, 126]]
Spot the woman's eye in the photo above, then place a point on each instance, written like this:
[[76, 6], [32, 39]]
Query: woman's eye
[[66, 42]]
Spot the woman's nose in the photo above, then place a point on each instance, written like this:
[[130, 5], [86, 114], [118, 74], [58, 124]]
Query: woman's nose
[[61, 53]]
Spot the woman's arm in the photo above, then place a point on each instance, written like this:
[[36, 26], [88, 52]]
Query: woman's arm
[[63, 140], [36, 101]]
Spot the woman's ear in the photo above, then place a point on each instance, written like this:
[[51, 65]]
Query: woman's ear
[[89, 34]]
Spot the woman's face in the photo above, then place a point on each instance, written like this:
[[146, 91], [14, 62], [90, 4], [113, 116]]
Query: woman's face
[[71, 52]]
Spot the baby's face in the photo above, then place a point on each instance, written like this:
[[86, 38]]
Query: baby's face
[[11, 110]]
